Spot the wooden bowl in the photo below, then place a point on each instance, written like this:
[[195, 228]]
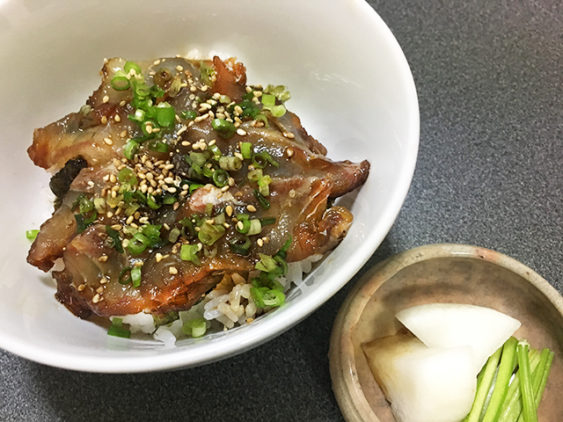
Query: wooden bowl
[[440, 273]]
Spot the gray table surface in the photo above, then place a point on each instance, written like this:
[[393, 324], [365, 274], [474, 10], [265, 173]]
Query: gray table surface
[[489, 173]]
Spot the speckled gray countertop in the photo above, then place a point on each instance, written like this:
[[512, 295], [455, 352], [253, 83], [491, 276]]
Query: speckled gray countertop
[[489, 172]]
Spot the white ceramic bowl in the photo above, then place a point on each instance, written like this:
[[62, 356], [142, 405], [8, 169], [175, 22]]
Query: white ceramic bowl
[[350, 83]]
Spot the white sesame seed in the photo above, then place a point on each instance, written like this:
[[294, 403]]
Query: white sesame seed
[[229, 210], [81, 287], [105, 99], [158, 257], [96, 298], [292, 193], [108, 141], [289, 152], [173, 270], [251, 208], [179, 68], [241, 132], [260, 242], [117, 118], [104, 120], [122, 103]]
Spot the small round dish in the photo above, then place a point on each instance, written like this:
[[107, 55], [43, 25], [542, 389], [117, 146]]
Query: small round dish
[[440, 273]]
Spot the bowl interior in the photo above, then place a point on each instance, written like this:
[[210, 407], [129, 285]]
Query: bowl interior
[[470, 280], [361, 103]]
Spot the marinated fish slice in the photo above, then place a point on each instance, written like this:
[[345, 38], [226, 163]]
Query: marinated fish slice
[[155, 186]]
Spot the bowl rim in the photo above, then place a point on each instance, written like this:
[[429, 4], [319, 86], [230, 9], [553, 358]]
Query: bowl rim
[[345, 381], [235, 343]]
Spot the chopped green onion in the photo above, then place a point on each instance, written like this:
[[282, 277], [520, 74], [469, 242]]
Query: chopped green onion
[[156, 91], [241, 246], [159, 146], [206, 73], [268, 100], [147, 127], [246, 150], [130, 148], [220, 178], [84, 204], [281, 263], [125, 276], [255, 175], [225, 128], [151, 202], [189, 253], [173, 235], [168, 199], [136, 276], [195, 327], [278, 110], [255, 227], [115, 240], [283, 250], [273, 297], [127, 176], [266, 221], [31, 234], [117, 329], [210, 233], [82, 222], [263, 296], [262, 159], [264, 203], [129, 66], [100, 205], [280, 92], [230, 163], [120, 83], [266, 263], [224, 99], [528, 401], [264, 185], [138, 116], [195, 186], [165, 114], [214, 149], [198, 158], [262, 118], [188, 114], [138, 243], [243, 225], [152, 232]]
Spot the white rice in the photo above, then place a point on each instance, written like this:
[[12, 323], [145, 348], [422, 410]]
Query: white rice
[[220, 308]]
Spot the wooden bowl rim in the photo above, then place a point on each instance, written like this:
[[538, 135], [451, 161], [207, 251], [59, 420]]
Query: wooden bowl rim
[[345, 381]]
